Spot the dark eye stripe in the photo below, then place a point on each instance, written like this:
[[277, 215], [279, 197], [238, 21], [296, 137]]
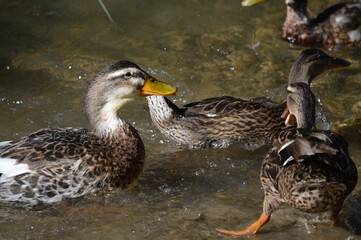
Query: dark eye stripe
[[138, 74]]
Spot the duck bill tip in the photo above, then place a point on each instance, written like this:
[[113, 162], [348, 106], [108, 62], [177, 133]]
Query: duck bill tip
[[339, 62], [153, 87], [290, 120]]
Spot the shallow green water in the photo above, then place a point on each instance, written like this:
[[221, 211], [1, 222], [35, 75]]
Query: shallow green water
[[50, 49]]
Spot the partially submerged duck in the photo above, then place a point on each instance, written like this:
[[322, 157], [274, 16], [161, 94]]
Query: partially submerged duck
[[214, 122], [55, 163], [309, 169], [338, 24]]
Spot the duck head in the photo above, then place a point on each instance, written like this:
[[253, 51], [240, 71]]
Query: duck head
[[311, 63], [114, 86]]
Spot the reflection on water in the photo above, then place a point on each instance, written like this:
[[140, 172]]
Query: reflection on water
[[50, 49]]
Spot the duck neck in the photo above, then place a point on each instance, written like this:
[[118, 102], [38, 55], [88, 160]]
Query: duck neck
[[105, 122], [296, 12], [305, 116], [306, 122], [160, 111], [299, 74]]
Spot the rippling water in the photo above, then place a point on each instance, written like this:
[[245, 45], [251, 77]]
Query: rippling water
[[49, 51]]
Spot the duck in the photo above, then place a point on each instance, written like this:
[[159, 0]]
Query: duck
[[309, 169], [338, 24], [52, 164], [218, 121]]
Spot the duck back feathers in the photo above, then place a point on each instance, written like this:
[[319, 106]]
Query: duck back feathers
[[316, 171]]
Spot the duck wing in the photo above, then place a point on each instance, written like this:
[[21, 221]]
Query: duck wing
[[218, 106], [48, 146], [323, 16], [344, 17], [327, 147]]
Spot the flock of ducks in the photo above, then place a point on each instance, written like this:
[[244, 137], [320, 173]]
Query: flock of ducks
[[215, 122], [309, 169]]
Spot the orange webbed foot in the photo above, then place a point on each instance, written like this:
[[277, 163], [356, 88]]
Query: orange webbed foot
[[251, 229], [333, 220], [235, 233]]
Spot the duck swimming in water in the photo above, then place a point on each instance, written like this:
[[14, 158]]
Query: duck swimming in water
[[215, 122], [309, 169], [338, 24], [55, 163]]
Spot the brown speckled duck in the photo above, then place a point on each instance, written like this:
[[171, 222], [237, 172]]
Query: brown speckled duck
[[311, 170], [55, 163], [339, 24], [215, 122]]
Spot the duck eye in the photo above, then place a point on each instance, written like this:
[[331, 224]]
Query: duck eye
[[127, 74]]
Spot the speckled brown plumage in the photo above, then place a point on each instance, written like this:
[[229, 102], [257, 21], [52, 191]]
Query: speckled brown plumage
[[56, 163], [310, 170], [339, 24], [215, 122], [314, 180], [69, 162]]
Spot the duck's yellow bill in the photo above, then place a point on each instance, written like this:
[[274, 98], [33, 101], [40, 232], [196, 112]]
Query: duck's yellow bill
[[247, 3], [154, 87]]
